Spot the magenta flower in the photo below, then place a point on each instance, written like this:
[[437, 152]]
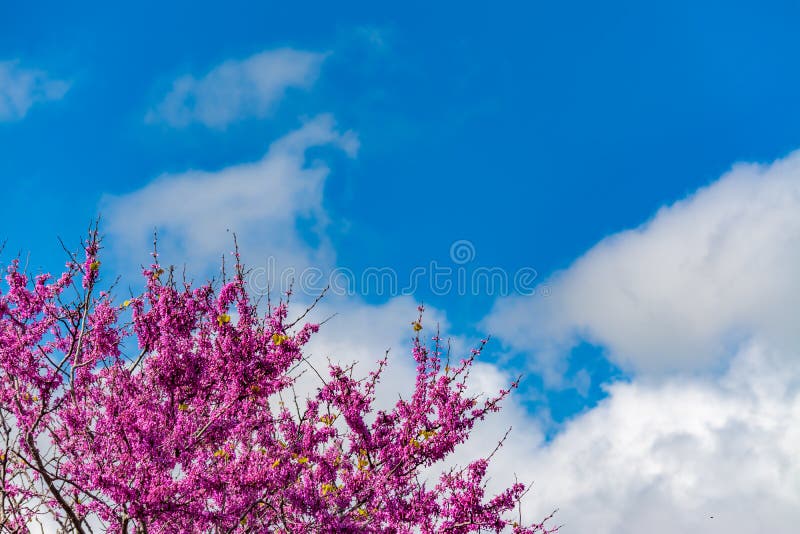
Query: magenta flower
[[200, 432]]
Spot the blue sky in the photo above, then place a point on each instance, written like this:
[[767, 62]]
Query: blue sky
[[539, 132], [552, 124]]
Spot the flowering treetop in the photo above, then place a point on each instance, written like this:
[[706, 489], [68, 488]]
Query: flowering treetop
[[201, 430]]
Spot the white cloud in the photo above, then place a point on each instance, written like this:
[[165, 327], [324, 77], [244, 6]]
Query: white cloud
[[682, 291], [260, 201], [700, 304], [21, 88], [664, 458], [237, 89]]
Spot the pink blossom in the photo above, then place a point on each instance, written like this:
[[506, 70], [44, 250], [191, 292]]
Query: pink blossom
[[189, 434]]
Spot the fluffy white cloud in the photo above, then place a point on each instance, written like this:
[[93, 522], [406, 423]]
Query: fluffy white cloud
[[700, 304], [665, 457], [682, 291], [21, 88], [237, 89], [194, 212]]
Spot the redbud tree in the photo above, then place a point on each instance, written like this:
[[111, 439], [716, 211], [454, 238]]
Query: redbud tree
[[199, 428]]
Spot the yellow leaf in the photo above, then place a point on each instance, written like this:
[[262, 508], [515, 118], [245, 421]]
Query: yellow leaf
[[427, 433], [327, 419], [417, 326], [223, 319], [279, 339], [183, 406], [94, 265]]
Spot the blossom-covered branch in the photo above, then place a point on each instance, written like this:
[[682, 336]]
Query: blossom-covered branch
[[201, 431]]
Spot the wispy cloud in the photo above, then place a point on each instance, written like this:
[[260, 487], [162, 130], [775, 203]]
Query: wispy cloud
[[260, 201], [21, 88], [237, 89]]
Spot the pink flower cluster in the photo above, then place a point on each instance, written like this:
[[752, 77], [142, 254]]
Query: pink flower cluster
[[198, 430]]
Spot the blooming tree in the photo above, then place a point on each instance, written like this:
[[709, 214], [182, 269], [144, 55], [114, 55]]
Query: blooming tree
[[199, 430]]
